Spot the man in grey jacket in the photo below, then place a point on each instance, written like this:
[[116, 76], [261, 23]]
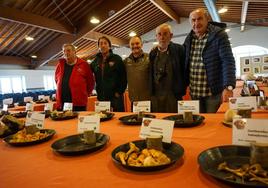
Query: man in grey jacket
[[209, 62], [137, 68]]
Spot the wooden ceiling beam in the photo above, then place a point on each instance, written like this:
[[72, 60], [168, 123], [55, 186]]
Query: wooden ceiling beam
[[166, 9], [101, 12], [94, 36], [15, 15], [8, 60]]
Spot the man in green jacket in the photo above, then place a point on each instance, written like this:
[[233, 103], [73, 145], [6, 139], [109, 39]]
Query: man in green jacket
[[110, 75]]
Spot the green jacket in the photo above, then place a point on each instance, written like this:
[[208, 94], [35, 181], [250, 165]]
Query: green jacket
[[111, 79]]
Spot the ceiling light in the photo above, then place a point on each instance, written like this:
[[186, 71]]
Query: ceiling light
[[155, 43], [229, 38], [33, 56], [94, 20], [222, 10], [28, 38], [132, 34], [89, 61], [227, 30]]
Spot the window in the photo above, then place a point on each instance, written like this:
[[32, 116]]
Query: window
[[49, 82], [12, 84]]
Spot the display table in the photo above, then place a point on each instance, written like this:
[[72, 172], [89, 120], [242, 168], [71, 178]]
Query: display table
[[38, 166], [225, 106]]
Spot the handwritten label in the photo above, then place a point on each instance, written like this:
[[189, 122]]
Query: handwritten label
[[141, 106], [159, 127]]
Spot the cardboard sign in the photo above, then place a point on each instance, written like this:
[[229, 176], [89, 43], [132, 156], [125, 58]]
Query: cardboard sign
[[102, 106], [246, 131], [35, 118], [188, 106], [141, 106], [91, 122], [159, 127], [243, 103]]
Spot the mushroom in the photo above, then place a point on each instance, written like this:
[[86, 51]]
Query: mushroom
[[121, 156], [132, 148], [239, 172]]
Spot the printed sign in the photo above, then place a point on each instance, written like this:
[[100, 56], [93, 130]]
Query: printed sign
[[246, 131], [188, 106], [8, 101], [29, 106], [27, 99], [243, 103], [35, 118], [141, 106], [102, 106], [159, 127], [68, 106], [91, 122]]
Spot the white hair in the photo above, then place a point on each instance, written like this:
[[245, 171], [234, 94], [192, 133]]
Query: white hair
[[164, 25]]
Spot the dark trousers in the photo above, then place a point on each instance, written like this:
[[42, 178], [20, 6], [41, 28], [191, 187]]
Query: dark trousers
[[209, 104], [117, 104]]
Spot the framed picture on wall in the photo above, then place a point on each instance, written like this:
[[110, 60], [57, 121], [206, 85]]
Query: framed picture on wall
[[246, 62], [256, 59], [265, 59], [265, 68], [256, 70], [246, 70]]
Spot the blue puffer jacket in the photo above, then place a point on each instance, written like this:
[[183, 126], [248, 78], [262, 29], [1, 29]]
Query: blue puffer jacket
[[217, 57]]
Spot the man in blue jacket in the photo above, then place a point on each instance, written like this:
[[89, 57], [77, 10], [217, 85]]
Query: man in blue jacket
[[209, 62]]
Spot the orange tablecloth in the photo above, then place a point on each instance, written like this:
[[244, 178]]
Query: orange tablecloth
[[38, 166], [225, 106]]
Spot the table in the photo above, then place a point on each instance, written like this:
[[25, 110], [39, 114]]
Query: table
[[225, 106], [38, 166], [36, 107]]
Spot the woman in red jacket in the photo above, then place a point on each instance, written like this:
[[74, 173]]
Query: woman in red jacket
[[74, 80]]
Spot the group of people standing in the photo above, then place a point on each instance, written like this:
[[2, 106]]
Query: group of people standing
[[204, 63]]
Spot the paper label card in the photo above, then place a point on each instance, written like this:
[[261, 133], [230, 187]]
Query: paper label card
[[35, 118], [246, 131], [141, 106], [159, 127], [40, 97], [29, 106], [102, 106], [188, 106], [68, 106], [8, 101], [91, 122], [243, 103], [5, 107], [54, 95], [48, 107], [27, 99]]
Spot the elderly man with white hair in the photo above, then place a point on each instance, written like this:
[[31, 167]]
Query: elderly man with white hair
[[167, 71]]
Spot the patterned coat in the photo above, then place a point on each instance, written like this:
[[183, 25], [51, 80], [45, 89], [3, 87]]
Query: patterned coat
[[217, 57]]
